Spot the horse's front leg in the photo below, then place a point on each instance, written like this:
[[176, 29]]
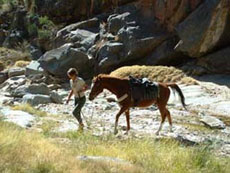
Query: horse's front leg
[[127, 120], [117, 118]]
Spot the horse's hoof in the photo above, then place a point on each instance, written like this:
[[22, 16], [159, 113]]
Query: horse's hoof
[[126, 133], [115, 132]]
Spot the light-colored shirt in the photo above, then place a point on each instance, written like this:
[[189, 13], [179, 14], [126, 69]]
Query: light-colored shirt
[[77, 85]]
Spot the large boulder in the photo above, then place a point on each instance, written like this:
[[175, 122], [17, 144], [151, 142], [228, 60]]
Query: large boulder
[[58, 61], [81, 32], [31, 89], [217, 62], [38, 89], [206, 29], [166, 55], [170, 13]]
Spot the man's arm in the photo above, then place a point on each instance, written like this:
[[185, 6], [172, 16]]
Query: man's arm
[[69, 96], [84, 88]]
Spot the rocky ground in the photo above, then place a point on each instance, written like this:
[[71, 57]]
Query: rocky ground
[[207, 119]]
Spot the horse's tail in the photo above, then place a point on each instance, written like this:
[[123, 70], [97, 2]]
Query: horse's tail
[[176, 88]]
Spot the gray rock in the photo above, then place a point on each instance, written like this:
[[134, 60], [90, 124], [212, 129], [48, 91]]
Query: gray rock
[[13, 83], [33, 68], [83, 33], [20, 118], [36, 99], [212, 122], [94, 22], [116, 22], [103, 159], [16, 72], [38, 89], [19, 91], [35, 52], [80, 35], [58, 61], [189, 139], [3, 77], [54, 86], [55, 97]]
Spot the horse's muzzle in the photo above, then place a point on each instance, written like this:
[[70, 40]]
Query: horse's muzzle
[[91, 98]]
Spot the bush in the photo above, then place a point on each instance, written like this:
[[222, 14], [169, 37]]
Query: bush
[[46, 28]]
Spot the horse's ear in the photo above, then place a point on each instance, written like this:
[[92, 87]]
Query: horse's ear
[[99, 77]]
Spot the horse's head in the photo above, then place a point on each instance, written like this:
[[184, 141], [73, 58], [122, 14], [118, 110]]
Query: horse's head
[[96, 88]]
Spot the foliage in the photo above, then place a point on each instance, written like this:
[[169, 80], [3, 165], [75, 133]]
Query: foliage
[[46, 29], [8, 1]]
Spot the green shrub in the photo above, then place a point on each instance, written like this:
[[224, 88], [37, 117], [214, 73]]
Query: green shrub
[[46, 28]]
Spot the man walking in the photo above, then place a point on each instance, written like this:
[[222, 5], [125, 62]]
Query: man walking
[[78, 88]]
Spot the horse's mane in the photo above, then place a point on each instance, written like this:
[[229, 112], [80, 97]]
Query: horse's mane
[[106, 76]]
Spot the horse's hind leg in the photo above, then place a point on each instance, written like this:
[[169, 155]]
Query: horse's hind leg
[[117, 118], [163, 116], [127, 120], [169, 119]]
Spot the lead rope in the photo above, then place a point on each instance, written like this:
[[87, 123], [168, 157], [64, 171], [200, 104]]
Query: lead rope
[[91, 117]]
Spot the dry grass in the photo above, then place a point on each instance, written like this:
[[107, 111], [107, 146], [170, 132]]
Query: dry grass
[[27, 151], [22, 151], [8, 57], [155, 73], [21, 63], [148, 155], [30, 109]]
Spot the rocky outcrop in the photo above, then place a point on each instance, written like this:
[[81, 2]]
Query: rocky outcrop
[[74, 10], [170, 13], [102, 47], [140, 32], [206, 29], [217, 62]]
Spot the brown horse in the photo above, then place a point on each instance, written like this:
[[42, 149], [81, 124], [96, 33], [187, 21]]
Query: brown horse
[[121, 88]]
